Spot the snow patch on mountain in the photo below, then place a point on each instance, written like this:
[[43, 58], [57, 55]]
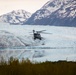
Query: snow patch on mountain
[[61, 5]]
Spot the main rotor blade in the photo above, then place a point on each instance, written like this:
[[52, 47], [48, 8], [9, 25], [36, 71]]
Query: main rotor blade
[[30, 32], [46, 33], [41, 31], [38, 31]]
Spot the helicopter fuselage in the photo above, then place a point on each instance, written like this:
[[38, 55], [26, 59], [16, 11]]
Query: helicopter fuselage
[[37, 36]]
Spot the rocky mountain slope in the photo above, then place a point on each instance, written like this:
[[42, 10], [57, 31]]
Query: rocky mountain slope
[[55, 12]]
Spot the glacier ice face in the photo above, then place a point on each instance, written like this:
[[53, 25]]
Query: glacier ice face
[[60, 45], [8, 39]]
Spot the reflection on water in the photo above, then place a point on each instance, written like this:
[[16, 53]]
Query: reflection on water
[[39, 53]]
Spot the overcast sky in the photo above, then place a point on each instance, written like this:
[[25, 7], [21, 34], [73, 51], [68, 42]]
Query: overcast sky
[[28, 5]]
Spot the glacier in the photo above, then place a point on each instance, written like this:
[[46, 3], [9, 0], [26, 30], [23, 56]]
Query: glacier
[[17, 41]]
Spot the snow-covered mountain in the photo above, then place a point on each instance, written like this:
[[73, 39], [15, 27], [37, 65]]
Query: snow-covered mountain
[[55, 12], [15, 17]]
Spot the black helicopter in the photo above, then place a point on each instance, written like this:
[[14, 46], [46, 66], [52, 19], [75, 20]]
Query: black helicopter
[[37, 34]]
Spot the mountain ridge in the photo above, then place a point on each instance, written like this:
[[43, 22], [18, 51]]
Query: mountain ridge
[[15, 17], [55, 12]]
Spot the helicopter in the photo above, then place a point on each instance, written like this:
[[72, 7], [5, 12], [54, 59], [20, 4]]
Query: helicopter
[[37, 34]]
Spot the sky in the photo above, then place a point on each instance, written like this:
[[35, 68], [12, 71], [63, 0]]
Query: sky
[[28, 5]]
